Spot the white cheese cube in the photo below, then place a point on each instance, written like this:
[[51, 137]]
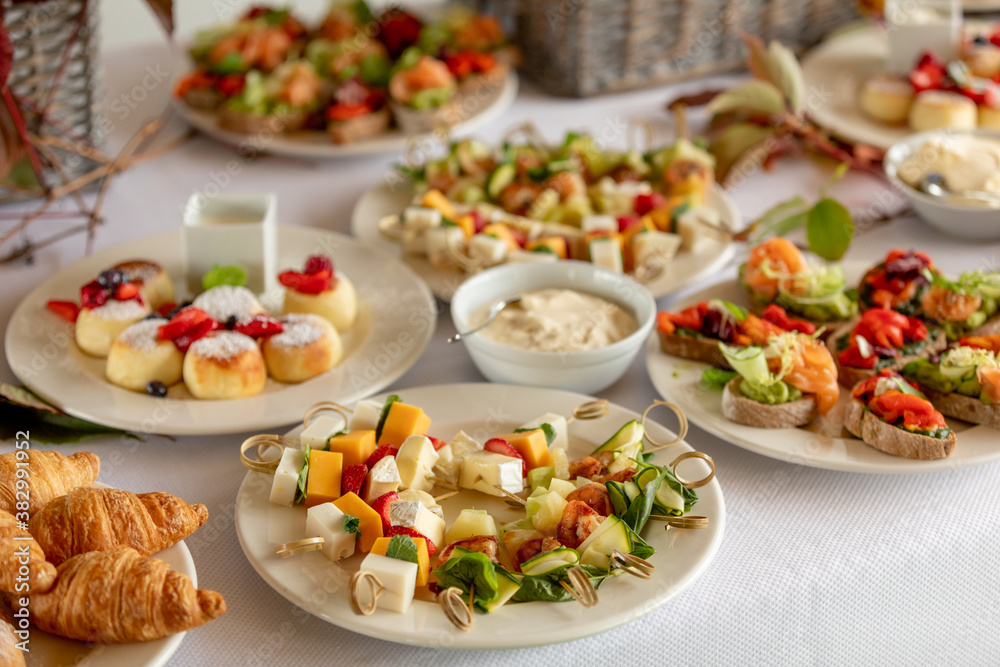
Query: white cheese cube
[[415, 460], [607, 254], [382, 478], [320, 430], [413, 514], [286, 477], [653, 250], [623, 196], [695, 226], [327, 521], [366, 415], [420, 218], [462, 445], [599, 223], [399, 578], [525, 256], [443, 243], [482, 471], [449, 464], [487, 250], [558, 424], [422, 497]]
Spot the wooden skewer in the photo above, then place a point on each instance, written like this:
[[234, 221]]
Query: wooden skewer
[[581, 590], [376, 586], [455, 608], [682, 426], [511, 498], [445, 496]]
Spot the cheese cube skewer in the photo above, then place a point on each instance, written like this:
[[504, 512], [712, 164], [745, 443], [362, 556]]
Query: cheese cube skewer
[[382, 478], [328, 522], [415, 460], [399, 578], [413, 514], [286, 476]]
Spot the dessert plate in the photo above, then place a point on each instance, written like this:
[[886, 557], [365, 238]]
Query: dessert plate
[[317, 145], [686, 267], [320, 586], [396, 318], [818, 445]]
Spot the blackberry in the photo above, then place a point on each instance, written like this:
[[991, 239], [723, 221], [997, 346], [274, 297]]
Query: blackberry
[[110, 279], [980, 40], [157, 389]]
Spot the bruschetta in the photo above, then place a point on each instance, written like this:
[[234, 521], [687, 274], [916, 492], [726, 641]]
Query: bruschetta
[[881, 339], [898, 282], [963, 383], [964, 307]]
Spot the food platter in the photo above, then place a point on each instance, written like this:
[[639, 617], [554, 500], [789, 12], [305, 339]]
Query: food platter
[[319, 586], [686, 268], [821, 445], [396, 319]]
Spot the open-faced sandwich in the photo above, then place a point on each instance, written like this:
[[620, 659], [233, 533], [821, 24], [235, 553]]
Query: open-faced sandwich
[[893, 416], [964, 307], [423, 93], [898, 282], [283, 100], [963, 383], [881, 339]]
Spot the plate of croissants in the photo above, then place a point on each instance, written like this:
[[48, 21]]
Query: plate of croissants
[[96, 575]]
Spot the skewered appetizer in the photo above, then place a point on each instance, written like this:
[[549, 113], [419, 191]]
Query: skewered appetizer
[[881, 339]]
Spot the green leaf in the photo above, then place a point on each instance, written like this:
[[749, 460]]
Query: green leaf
[[300, 491], [757, 61], [639, 510], [787, 75], [639, 546], [224, 275], [550, 433], [23, 175], [402, 547], [352, 524], [780, 219], [753, 97], [389, 400], [717, 378], [546, 587], [470, 568], [829, 229], [735, 142], [21, 410]]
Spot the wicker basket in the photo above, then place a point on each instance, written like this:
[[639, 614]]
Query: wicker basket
[[588, 47]]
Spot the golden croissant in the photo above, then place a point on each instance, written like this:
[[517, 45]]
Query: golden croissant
[[89, 519], [120, 596], [17, 553], [49, 475], [10, 655]]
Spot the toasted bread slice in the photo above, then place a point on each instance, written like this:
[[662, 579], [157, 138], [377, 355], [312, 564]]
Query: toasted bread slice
[[742, 410], [362, 127], [987, 328], [206, 99], [885, 437], [966, 408], [848, 376], [689, 347], [248, 123]]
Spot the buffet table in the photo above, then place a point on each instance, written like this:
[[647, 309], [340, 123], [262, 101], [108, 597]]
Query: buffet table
[[816, 566]]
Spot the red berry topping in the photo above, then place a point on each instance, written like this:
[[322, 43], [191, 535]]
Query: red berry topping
[[67, 310], [478, 221], [317, 263], [438, 444], [92, 295], [627, 221], [646, 202], [127, 291], [186, 327], [501, 446], [166, 309], [200, 330], [259, 326], [403, 530], [307, 283], [381, 453], [353, 479], [381, 505]]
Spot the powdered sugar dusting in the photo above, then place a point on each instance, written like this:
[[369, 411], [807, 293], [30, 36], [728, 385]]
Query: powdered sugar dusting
[[132, 309], [299, 330], [226, 300], [142, 335], [139, 270], [222, 345]]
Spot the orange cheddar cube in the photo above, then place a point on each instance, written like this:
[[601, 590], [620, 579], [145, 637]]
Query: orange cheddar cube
[[323, 481], [423, 560], [435, 199], [467, 224], [503, 233], [369, 521], [403, 421], [532, 445], [356, 446], [645, 224], [556, 244]]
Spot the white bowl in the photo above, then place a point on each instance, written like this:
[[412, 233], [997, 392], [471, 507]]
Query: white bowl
[[585, 371], [957, 217]]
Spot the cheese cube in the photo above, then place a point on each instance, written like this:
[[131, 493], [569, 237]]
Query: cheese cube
[[366, 415], [356, 446], [449, 464], [420, 218], [463, 444], [415, 460], [320, 430], [482, 471], [532, 445], [399, 578], [413, 514], [599, 223], [369, 521], [471, 523], [327, 521], [606, 253], [422, 497], [286, 477], [403, 421], [423, 559], [323, 482], [442, 244], [526, 256], [487, 250], [695, 226], [623, 196], [382, 479], [558, 424], [652, 251]]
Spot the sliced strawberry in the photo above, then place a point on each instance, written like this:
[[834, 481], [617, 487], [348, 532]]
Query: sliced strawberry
[[181, 322], [317, 263], [200, 330], [166, 309], [626, 221], [438, 444], [392, 531], [501, 446], [67, 310], [646, 202], [307, 283], [259, 326], [381, 505], [353, 479], [381, 453], [478, 221], [92, 295], [127, 291]]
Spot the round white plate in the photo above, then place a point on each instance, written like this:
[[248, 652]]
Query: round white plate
[[320, 587], [396, 319], [48, 650], [391, 198], [980, 5], [819, 446], [317, 145]]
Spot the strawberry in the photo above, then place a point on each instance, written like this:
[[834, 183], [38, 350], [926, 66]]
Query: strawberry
[[438, 444], [200, 330], [68, 310], [392, 531], [381, 505], [381, 453], [259, 326], [501, 446], [353, 479], [127, 291], [627, 221], [478, 221], [317, 263], [646, 202], [166, 309], [307, 283], [929, 60], [92, 295], [181, 322], [926, 78]]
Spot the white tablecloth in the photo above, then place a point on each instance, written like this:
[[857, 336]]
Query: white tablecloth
[[816, 567]]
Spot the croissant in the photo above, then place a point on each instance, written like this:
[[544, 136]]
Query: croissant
[[89, 519], [41, 573], [119, 596], [50, 475], [10, 655]]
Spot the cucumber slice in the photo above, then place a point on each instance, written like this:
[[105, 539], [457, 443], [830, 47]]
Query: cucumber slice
[[619, 499], [749, 362], [632, 490], [561, 165], [596, 550], [626, 458], [628, 434], [539, 477], [645, 477], [507, 586], [501, 177], [550, 560], [669, 500]]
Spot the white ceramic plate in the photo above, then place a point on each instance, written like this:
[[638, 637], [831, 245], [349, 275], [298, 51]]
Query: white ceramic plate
[[679, 380], [317, 145], [396, 319], [980, 5], [320, 587], [390, 199], [48, 650]]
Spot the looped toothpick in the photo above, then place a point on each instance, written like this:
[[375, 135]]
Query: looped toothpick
[[263, 443], [581, 589], [391, 227], [590, 410], [316, 409], [289, 549], [455, 608], [513, 500], [686, 522], [682, 427], [697, 483], [375, 587], [529, 130], [637, 567], [648, 131]]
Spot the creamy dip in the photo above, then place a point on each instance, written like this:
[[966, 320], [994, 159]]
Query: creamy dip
[[559, 320], [965, 162]]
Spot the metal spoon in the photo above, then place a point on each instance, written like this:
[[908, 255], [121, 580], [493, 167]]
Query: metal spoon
[[494, 311], [935, 185]]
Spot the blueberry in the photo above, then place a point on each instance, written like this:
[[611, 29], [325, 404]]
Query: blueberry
[[231, 322], [152, 316], [110, 279], [980, 40], [178, 309], [157, 389]]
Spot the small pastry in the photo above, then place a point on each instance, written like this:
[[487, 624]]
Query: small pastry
[[308, 346], [935, 109], [108, 306], [139, 356], [10, 654], [983, 61], [226, 301], [887, 98], [52, 475], [154, 284], [318, 290], [224, 364], [989, 117], [14, 543]]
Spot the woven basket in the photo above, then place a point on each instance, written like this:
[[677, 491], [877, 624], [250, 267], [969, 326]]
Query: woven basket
[[588, 47]]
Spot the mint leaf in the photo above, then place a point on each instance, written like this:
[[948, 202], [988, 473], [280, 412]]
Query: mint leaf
[[224, 275], [550, 433], [351, 523], [829, 229], [300, 493], [402, 547], [390, 399]]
